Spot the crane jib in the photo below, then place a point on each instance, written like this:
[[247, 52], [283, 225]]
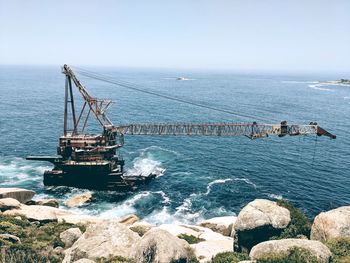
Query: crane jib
[[251, 130]]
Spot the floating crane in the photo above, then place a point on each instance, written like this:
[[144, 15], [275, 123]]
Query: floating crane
[[91, 161]]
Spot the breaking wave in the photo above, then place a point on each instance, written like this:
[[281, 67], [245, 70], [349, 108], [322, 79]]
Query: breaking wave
[[319, 87], [274, 196], [219, 181], [17, 171], [293, 81], [145, 167]]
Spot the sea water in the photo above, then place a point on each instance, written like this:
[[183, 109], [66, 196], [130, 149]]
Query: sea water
[[199, 177]]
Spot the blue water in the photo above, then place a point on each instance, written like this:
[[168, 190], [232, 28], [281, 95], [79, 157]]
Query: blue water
[[204, 176]]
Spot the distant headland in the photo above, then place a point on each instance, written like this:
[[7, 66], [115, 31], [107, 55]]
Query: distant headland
[[335, 82]]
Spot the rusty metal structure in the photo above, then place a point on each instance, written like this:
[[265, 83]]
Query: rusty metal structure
[[91, 161]]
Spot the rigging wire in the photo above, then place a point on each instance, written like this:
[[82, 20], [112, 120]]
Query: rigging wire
[[313, 157], [138, 88]]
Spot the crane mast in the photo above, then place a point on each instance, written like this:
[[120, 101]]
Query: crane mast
[[91, 161]]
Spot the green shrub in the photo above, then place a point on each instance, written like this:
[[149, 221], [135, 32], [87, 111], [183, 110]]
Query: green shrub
[[294, 255], [190, 238], [117, 259], [26, 253], [299, 225], [340, 248], [9, 228], [229, 257], [139, 230], [37, 242], [11, 219]]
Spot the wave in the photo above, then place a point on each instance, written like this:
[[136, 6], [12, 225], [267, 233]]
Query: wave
[[219, 181], [129, 206], [145, 167], [247, 181], [294, 81], [16, 171], [274, 196], [319, 87], [222, 181]]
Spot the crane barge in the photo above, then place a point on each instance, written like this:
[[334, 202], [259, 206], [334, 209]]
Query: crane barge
[[91, 161]]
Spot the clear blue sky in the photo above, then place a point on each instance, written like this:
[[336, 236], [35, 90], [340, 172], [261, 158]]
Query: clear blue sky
[[235, 35]]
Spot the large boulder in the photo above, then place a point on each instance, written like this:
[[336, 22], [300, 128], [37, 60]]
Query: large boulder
[[47, 202], [222, 225], [331, 224], [129, 219], [159, 246], [47, 214], [84, 260], [208, 243], [79, 199], [35, 213], [9, 203], [206, 250], [104, 240], [258, 221], [278, 247], [20, 194], [69, 236], [202, 233], [76, 219], [10, 238]]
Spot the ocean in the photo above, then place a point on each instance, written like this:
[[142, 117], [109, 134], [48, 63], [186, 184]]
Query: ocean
[[199, 177]]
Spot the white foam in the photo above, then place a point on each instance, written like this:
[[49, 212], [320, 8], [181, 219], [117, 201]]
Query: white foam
[[319, 87], [247, 181], [145, 167], [274, 196], [219, 181], [293, 81], [15, 171]]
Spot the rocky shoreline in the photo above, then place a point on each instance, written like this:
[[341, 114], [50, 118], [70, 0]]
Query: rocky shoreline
[[263, 231]]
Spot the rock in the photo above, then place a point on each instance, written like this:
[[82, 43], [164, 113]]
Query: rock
[[331, 224], [9, 203], [58, 250], [258, 221], [47, 202], [159, 246], [20, 194], [79, 200], [206, 250], [276, 247], [69, 236], [84, 260], [106, 239], [10, 238], [47, 214], [79, 219], [35, 213], [222, 225], [177, 230], [196, 231], [129, 219]]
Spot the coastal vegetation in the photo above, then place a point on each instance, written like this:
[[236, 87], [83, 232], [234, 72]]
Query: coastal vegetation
[[299, 226], [37, 233], [37, 241], [190, 238]]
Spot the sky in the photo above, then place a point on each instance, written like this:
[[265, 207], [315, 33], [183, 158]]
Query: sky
[[288, 35]]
